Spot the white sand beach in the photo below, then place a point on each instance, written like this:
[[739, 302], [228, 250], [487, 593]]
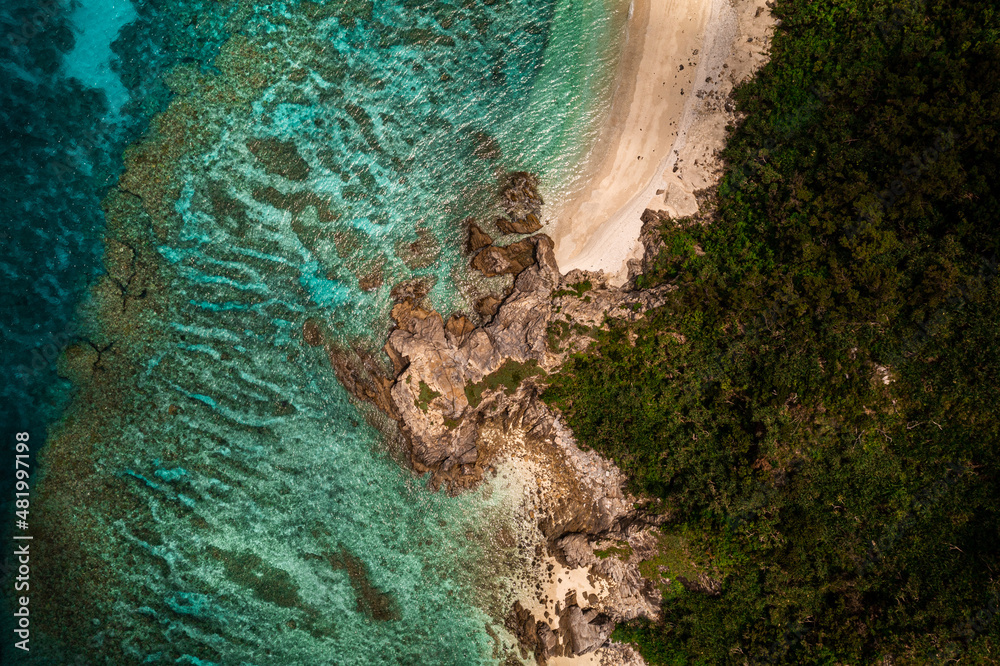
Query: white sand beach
[[680, 62]]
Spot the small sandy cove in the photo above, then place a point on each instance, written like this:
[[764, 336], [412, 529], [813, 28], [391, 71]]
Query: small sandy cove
[[670, 108]]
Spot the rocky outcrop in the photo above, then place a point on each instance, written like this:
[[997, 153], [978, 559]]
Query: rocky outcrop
[[455, 382], [527, 225], [652, 242], [629, 594], [585, 630], [477, 239], [505, 260], [655, 221], [356, 369], [488, 305], [522, 623], [453, 360], [579, 631], [522, 203], [362, 376]]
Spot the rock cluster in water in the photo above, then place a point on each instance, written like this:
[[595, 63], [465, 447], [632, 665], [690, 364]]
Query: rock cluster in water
[[453, 379], [455, 385], [522, 203]]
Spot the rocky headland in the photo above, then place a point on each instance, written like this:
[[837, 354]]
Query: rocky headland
[[467, 401], [463, 397]]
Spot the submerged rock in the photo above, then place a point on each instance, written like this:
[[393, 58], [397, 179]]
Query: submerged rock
[[362, 376], [312, 332], [520, 199], [505, 260], [372, 274], [486, 147], [528, 225], [420, 253], [477, 238], [279, 157], [413, 291], [371, 601]]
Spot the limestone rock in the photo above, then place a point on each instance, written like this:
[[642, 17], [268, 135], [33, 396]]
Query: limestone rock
[[477, 238], [488, 305], [529, 224], [505, 260], [458, 328], [522, 624], [457, 435], [547, 644], [449, 358], [520, 198], [584, 630], [652, 223], [576, 550]]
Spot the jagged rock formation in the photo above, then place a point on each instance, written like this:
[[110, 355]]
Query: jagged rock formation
[[505, 260], [523, 204], [477, 238], [580, 631], [451, 364], [461, 394], [654, 221], [652, 243], [528, 225], [454, 382], [488, 305]]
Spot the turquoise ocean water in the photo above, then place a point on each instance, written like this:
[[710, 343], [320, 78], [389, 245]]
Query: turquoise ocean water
[[273, 523]]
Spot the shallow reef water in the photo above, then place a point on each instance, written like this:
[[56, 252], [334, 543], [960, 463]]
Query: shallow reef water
[[231, 170]]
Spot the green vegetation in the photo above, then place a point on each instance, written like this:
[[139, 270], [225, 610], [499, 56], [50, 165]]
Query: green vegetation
[[578, 289], [622, 551], [509, 376], [556, 332], [426, 396], [826, 432], [674, 560]]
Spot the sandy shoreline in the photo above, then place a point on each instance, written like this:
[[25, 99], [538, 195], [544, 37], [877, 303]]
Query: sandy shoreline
[[680, 61]]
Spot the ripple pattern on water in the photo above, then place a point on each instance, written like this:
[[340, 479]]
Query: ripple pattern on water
[[330, 151]]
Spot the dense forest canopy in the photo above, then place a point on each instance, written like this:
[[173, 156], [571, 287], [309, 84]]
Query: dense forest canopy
[[817, 406]]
